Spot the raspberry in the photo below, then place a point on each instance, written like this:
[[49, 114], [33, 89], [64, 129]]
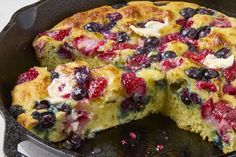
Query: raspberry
[[87, 46], [197, 57], [57, 34], [206, 85], [220, 110], [97, 87], [207, 108], [122, 46], [229, 89], [107, 56], [133, 85], [230, 73], [137, 61], [222, 22], [31, 74], [171, 63]]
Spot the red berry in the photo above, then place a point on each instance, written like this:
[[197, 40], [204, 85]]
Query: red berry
[[206, 85], [87, 46], [170, 37], [206, 109], [220, 110], [122, 46], [197, 57], [184, 23], [57, 34], [133, 84], [159, 147], [229, 89], [27, 76], [231, 116], [230, 73], [132, 135], [137, 61], [107, 56], [222, 22], [97, 87], [171, 63]]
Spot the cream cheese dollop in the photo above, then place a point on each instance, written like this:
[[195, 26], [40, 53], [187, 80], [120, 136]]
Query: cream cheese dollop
[[152, 29], [213, 62], [60, 87]]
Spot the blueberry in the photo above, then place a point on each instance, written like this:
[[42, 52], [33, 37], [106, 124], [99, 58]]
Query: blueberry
[[44, 104], [142, 50], [203, 31], [16, 110], [204, 11], [79, 93], [46, 119], [133, 103], [141, 24], [54, 75], [189, 32], [63, 107], [191, 47], [93, 27], [65, 51], [82, 74], [194, 73], [151, 42], [193, 33], [185, 96], [122, 37], [73, 141], [222, 53], [168, 54], [187, 12], [118, 6], [108, 26], [36, 115], [114, 16], [195, 99], [210, 73]]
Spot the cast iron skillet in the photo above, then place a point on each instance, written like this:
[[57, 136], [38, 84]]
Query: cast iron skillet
[[17, 55]]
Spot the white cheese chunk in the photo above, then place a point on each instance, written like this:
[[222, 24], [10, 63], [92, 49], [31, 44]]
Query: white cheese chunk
[[152, 29], [212, 61], [60, 87]]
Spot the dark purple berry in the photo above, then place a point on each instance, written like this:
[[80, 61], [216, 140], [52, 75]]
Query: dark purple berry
[[73, 141], [65, 51], [151, 42], [222, 53], [118, 6], [187, 12], [44, 104], [203, 31], [47, 120], [93, 27], [132, 104], [82, 74], [114, 16], [64, 108], [36, 115], [168, 54], [141, 24], [210, 74], [122, 37], [192, 33], [16, 110], [204, 11], [142, 50], [185, 96], [79, 93], [54, 75], [108, 26], [191, 47], [195, 99], [194, 73]]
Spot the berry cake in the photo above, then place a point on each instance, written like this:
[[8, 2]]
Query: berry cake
[[115, 64]]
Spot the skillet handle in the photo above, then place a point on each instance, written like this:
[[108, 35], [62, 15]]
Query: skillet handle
[[14, 134]]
